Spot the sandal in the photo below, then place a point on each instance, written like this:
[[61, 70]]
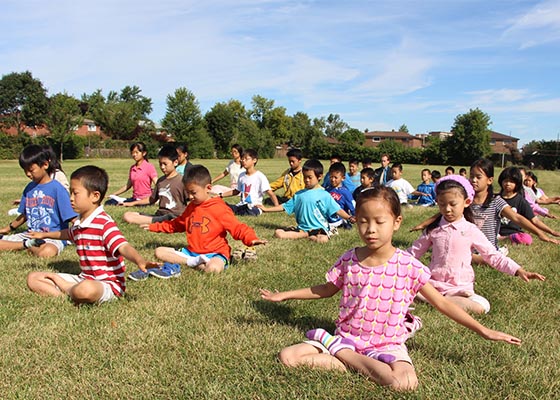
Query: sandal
[[250, 254], [237, 254]]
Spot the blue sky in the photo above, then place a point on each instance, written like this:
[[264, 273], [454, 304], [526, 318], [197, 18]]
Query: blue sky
[[378, 64]]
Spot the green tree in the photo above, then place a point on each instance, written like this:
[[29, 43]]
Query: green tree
[[222, 123], [63, 118], [470, 138], [184, 121], [435, 151], [543, 153], [403, 128], [335, 126], [23, 100], [303, 132], [352, 136], [261, 106]]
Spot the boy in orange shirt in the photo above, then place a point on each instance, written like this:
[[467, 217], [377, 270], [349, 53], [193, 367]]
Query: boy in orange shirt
[[206, 222]]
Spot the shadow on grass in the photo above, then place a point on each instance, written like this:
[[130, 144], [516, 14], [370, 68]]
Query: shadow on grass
[[67, 267], [283, 314]]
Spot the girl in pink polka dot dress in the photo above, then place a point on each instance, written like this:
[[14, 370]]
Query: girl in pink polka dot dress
[[378, 283]]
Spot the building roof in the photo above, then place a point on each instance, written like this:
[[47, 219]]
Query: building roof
[[501, 136], [389, 134]]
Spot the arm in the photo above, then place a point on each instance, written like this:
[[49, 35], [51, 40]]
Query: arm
[[130, 253], [417, 193], [12, 226], [57, 235], [229, 193], [124, 188], [423, 225], [271, 209], [313, 293], [458, 315], [273, 197], [222, 175], [543, 227], [278, 183], [526, 224], [343, 214], [141, 202]]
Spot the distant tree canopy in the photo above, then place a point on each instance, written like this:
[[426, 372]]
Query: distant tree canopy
[[470, 138]]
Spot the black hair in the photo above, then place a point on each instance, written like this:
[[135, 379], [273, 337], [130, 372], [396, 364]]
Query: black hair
[[93, 178], [353, 161], [380, 192], [369, 172], [297, 153], [532, 175], [462, 170], [168, 151], [197, 174], [336, 156], [337, 167], [444, 186], [513, 174], [436, 174], [313, 165], [251, 153], [367, 160], [35, 154], [238, 148], [450, 168], [141, 147], [486, 166], [397, 165], [426, 170], [182, 146], [53, 158]]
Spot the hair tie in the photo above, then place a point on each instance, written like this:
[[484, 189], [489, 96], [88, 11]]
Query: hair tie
[[460, 180]]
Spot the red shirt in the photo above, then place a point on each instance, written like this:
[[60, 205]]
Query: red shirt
[[206, 226], [98, 240]]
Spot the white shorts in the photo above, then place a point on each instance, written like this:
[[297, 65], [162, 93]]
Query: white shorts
[[478, 299], [20, 237], [108, 294]]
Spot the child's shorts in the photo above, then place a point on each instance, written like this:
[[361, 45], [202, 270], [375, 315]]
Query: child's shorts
[[108, 294], [20, 237], [160, 218], [385, 355], [184, 252]]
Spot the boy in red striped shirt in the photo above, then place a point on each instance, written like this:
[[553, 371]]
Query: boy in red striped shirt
[[99, 244]]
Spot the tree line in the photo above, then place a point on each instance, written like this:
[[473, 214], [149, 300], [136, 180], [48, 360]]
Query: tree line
[[123, 116]]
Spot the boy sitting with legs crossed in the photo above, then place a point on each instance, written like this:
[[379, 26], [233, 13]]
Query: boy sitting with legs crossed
[[99, 244], [206, 222]]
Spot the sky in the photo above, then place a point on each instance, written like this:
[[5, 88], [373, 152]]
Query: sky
[[378, 64]]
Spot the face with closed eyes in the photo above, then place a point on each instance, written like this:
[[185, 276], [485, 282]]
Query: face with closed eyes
[[376, 223]]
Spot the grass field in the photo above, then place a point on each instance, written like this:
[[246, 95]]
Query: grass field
[[211, 337]]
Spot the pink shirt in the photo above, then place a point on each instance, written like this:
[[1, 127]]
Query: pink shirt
[[375, 299], [452, 245], [141, 177]]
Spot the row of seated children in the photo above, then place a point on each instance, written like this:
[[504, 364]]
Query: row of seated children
[[102, 277]]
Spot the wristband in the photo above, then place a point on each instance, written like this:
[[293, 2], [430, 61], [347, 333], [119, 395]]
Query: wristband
[[11, 227]]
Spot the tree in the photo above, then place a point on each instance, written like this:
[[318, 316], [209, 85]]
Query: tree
[[63, 118], [543, 153], [335, 126], [261, 107], [222, 123], [184, 121], [470, 138], [435, 151], [352, 136], [23, 100], [403, 128]]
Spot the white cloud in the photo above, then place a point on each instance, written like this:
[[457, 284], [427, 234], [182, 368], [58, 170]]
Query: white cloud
[[540, 25]]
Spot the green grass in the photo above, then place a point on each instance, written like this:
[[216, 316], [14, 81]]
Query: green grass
[[210, 336]]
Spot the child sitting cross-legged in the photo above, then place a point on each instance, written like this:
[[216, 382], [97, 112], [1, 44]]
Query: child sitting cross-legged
[[99, 244], [378, 283], [206, 222], [340, 194], [367, 179], [312, 207]]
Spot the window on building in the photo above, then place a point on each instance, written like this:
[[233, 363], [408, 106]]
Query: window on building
[[492, 142], [376, 139], [91, 128]]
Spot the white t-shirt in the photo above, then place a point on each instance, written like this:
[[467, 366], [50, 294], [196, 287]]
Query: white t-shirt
[[252, 188], [234, 170], [402, 187]]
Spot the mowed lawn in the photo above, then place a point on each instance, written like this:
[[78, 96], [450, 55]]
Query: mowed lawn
[[211, 337]]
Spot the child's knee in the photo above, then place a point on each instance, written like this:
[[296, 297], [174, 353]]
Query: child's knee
[[215, 265], [288, 357], [161, 253], [32, 279], [46, 251], [128, 216], [279, 233], [86, 292]]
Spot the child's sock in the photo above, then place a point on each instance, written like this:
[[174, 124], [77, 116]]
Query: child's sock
[[197, 260], [27, 243], [333, 343]]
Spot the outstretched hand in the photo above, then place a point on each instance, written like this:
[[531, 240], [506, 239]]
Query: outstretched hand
[[501, 337], [271, 296], [526, 275], [145, 226], [34, 235], [259, 241], [416, 228]]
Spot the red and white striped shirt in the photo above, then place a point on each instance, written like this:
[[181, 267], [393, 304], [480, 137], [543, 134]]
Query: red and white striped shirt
[[97, 242]]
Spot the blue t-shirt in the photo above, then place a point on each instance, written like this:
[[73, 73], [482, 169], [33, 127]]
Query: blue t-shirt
[[312, 208], [355, 179], [344, 199], [347, 182], [46, 207], [429, 188]]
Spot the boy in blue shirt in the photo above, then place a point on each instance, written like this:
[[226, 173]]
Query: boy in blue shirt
[[428, 187], [347, 182], [340, 194], [311, 206]]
